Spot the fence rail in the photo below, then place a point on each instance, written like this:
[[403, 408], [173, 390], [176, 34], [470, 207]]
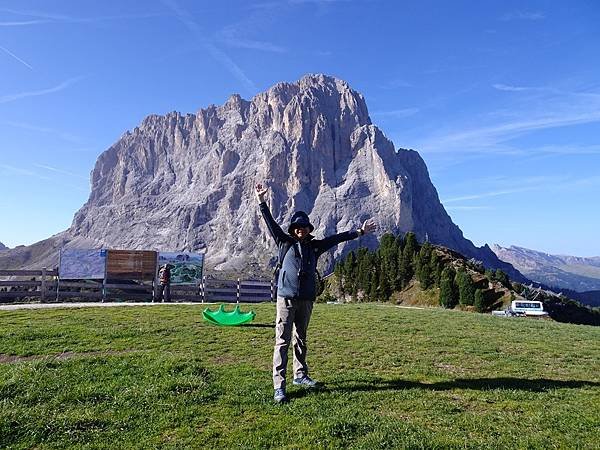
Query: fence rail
[[45, 286], [29, 273]]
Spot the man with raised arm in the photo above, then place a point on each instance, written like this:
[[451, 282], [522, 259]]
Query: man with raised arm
[[297, 288]]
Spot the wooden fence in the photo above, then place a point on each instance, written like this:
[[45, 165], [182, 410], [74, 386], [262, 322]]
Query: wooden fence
[[45, 286]]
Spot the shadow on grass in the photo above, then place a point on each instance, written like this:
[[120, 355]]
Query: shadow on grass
[[258, 325], [481, 384]]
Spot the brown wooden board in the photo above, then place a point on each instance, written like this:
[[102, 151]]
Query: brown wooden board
[[255, 299], [247, 283], [20, 283], [79, 284], [129, 287], [265, 290], [232, 291], [189, 298], [131, 264], [224, 297], [72, 294], [185, 288], [128, 297]]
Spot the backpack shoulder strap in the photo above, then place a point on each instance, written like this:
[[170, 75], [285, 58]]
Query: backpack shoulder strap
[[283, 249]]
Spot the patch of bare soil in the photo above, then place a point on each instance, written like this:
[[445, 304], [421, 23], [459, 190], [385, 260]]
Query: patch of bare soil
[[413, 295]]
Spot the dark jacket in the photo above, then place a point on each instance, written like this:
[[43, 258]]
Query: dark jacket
[[297, 275], [164, 275]]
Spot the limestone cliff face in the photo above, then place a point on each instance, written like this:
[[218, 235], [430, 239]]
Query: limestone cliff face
[[185, 182]]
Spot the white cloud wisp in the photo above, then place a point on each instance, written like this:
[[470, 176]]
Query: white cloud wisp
[[52, 90]]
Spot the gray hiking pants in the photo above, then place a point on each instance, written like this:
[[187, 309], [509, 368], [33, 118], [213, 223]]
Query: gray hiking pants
[[164, 292], [292, 315]]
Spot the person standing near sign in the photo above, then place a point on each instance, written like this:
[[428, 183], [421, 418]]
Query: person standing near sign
[[164, 283], [296, 288]]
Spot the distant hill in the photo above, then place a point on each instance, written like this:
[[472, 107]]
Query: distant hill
[[559, 271], [3, 247], [589, 298]]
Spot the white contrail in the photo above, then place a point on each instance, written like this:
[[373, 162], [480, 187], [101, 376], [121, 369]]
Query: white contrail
[[41, 17], [186, 18], [64, 172], [20, 95], [22, 23], [8, 52], [27, 126]]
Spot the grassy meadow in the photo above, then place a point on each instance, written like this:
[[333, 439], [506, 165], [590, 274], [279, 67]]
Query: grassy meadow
[[160, 377]]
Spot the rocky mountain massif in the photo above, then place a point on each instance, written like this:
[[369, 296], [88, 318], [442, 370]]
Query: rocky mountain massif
[[560, 271], [3, 247], [185, 182]]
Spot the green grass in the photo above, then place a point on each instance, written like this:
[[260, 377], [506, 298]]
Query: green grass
[[159, 377]]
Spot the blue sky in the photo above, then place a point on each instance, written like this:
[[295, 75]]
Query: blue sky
[[502, 99]]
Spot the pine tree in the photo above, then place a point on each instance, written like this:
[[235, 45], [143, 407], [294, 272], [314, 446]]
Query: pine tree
[[400, 243], [406, 260], [369, 276], [459, 281], [338, 270], [384, 290], [466, 289], [374, 277], [417, 264], [401, 272], [423, 266], [501, 277], [410, 244], [469, 293], [349, 273], [489, 274], [363, 271], [479, 301], [388, 252], [436, 268], [448, 291]]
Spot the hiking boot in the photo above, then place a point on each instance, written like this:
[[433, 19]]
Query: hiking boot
[[279, 396], [305, 381]]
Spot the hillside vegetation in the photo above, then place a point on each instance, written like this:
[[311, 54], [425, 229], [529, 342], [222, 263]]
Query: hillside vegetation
[[160, 377], [404, 271]]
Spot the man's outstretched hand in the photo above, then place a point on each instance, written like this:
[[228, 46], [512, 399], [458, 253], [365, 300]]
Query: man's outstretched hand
[[261, 192], [368, 226]]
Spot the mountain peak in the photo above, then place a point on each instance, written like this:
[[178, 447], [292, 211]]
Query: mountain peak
[[322, 93], [186, 182]]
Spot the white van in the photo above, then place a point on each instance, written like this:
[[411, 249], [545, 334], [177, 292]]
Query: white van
[[527, 308]]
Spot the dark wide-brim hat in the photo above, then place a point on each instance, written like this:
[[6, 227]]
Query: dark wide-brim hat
[[300, 220]]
